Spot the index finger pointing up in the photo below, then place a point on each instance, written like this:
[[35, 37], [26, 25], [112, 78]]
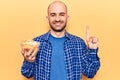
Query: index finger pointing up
[[87, 33]]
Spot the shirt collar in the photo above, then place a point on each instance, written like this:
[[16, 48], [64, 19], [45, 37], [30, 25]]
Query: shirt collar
[[47, 35]]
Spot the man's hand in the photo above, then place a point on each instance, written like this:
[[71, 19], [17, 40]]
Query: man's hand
[[30, 55], [91, 41]]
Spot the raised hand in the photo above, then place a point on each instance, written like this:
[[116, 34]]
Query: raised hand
[[91, 41]]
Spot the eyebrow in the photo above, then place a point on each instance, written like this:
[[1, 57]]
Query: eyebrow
[[59, 13], [52, 13]]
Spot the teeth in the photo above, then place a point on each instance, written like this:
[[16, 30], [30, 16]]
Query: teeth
[[57, 23]]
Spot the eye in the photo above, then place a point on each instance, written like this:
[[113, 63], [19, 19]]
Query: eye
[[62, 14], [52, 14]]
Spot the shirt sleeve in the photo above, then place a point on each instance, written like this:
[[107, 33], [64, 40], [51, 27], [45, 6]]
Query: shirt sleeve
[[89, 61], [27, 69], [92, 54]]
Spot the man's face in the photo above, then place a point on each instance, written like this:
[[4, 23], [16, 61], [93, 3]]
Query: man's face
[[57, 17]]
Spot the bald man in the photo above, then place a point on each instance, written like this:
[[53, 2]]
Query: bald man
[[61, 55]]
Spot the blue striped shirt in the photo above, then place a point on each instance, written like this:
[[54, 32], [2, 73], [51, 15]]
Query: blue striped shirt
[[78, 59]]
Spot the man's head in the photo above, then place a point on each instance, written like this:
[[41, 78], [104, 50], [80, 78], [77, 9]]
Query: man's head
[[57, 16]]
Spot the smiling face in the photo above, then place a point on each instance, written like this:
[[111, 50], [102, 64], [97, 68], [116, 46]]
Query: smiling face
[[57, 16]]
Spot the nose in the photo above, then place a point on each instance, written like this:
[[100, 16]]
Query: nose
[[57, 18]]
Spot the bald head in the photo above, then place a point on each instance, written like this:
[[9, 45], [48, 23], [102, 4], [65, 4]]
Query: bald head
[[57, 16], [57, 4]]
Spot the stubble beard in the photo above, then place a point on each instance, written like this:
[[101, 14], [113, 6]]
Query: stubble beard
[[57, 30]]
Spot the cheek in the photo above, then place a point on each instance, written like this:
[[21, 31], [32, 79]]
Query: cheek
[[51, 19], [64, 19]]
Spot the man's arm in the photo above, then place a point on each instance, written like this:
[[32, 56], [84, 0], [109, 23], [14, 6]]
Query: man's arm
[[90, 62], [90, 59], [29, 55], [27, 69]]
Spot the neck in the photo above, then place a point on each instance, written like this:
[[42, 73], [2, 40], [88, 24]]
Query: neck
[[57, 34]]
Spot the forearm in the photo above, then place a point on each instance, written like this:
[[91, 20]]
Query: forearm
[[92, 63], [27, 69], [90, 70]]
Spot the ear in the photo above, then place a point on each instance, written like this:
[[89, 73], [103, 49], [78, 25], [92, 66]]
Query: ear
[[47, 18], [68, 18]]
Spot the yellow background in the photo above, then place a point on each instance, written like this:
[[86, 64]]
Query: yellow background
[[26, 19]]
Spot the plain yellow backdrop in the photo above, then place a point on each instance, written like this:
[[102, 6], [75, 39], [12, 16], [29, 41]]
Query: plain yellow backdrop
[[26, 19]]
